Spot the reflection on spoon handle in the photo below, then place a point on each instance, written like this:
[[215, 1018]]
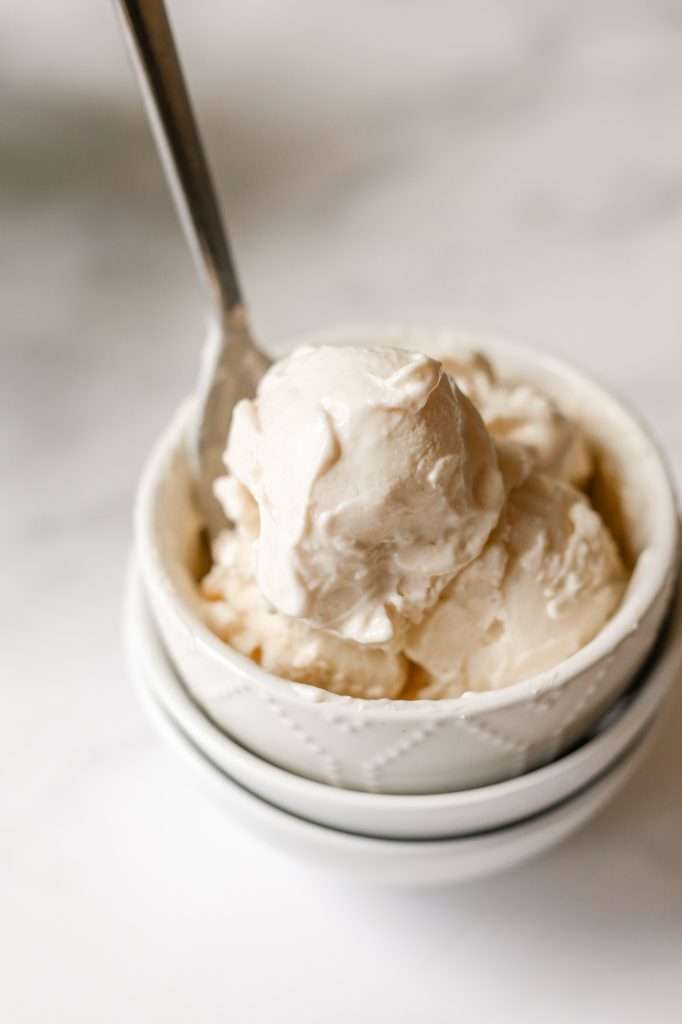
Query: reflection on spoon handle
[[156, 62]]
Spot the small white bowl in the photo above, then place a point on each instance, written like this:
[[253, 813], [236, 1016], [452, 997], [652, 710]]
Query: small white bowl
[[421, 746], [390, 861], [386, 815]]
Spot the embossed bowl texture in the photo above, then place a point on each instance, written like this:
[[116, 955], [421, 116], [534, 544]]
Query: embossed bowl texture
[[463, 812], [412, 747], [385, 861]]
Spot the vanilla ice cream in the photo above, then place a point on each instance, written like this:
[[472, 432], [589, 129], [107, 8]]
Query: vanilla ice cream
[[519, 412], [237, 612], [546, 582], [375, 483], [387, 544]]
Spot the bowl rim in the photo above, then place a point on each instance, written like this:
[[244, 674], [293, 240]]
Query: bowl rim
[[641, 593]]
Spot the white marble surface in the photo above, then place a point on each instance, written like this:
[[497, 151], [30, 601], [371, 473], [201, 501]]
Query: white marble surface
[[512, 164]]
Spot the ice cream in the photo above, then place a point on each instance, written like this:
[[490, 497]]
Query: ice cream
[[375, 481], [237, 612], [519, 412], [387, 544], [546, 582]]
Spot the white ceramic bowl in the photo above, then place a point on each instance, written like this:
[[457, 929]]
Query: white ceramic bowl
[[422, 746], [387, 815], [390, 861]]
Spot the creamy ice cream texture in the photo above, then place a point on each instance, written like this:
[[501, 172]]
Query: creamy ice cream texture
[[387, 544], [519, 412], [375, 481], [547, 580], [237, 611]]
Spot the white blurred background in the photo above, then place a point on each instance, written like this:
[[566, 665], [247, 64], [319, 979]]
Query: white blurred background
[[516, 165]]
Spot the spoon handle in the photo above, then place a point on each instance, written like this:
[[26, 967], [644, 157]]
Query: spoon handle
[[150, 40]]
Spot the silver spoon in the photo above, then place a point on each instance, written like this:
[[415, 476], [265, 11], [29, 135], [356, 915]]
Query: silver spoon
[[231, 364]]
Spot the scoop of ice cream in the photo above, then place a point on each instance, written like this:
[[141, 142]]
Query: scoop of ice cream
[[237, 612], [521, 413], [375, 481], [546, 582]]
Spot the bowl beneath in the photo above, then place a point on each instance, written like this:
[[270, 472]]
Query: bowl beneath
[[394, 816], [389, 861]]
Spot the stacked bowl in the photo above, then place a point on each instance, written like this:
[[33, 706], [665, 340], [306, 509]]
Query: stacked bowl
[[415, 791]]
